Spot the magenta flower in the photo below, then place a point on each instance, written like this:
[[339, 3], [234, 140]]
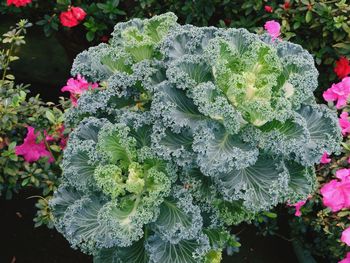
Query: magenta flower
[[336, 193], [273, 28], [325, 158], [344, 123], [338, 92], [346, 259], [76, 87], [30, 149], [298, 206], [343, 174], [345, 236]]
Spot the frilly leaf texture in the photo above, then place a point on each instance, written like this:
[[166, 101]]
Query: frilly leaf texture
[[191, 131]]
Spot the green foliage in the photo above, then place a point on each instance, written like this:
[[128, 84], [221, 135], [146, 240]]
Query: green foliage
[[195, 129], [17, 111], [101, 15]]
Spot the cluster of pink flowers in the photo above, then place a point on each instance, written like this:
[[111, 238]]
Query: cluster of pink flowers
[[72, 17], [338, 92], [336, 196], [336, 193], [31, 150], [76, 87], [18, 3]]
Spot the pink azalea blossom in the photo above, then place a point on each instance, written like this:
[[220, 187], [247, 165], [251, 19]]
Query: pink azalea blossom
[[30, 149], [298, 206], [76, 87], [18, 3], [345, 236], [343, 174], [273, 28], [338, 92], [325, 158], [336, 193], [346, 259], [344, 123]]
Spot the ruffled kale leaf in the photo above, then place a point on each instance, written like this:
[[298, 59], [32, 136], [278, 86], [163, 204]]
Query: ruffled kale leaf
[[191, 131]]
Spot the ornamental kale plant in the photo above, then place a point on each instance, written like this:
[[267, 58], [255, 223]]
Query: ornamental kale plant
[[192, 130]]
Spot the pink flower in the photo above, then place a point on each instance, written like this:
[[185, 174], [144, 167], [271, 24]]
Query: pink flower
[[345, 236], [343, 174], [72, 17], [339, 91], [325, 158], [342, 67], [76, 87], [268, 8], [273, 28], [18, 3], [344, 123], [298, 206], [347, 259], [30, 149], [336, 193]]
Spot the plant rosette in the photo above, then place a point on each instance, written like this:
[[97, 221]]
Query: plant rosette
[[192, 130]]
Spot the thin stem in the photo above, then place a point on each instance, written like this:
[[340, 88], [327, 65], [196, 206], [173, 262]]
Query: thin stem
[[284, 238], [48, 148], [37, 196], [18, 33], [7, 62], [240, 231]]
